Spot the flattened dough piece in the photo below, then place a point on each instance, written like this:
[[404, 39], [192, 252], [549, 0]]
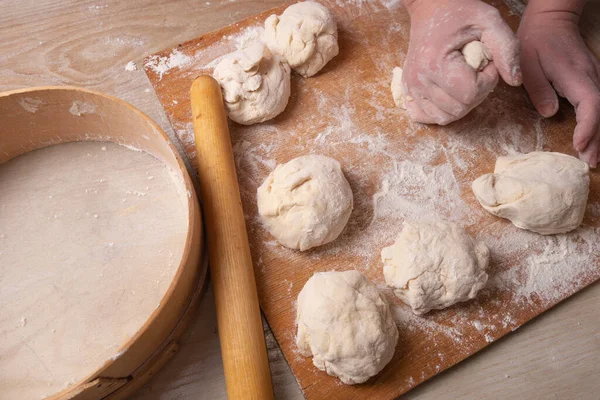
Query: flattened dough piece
[[541, 191]]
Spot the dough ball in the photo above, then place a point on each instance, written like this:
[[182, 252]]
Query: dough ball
[[397, 88], [433, 265], [305, 202], [255, 84], [346, 325], [540, 191], [476, 55], [305, 35]]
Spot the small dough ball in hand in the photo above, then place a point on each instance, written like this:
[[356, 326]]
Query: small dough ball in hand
[[476, 55], [433, 265], [255, 84], [305, 202], [346, 325], [305, 35], [541, 191]]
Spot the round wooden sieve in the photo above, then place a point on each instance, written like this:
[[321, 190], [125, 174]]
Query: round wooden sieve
[[36, 118]]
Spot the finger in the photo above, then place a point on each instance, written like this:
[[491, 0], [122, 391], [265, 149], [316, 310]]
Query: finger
[[504, 46], [446, 102], [588, 119], [417, 114], [439, 116], [538, 87], [596, 65], [591, 153], [584, 95], [487, 79], [464, 83]]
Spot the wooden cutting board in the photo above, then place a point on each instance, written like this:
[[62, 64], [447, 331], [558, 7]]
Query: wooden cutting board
[[398, 170]]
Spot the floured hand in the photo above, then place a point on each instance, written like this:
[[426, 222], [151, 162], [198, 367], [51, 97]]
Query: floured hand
[[555, 61], [438, 85]]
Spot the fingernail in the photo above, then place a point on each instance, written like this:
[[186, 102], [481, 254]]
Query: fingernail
[[517, 75], [548, 109], [591, 163]]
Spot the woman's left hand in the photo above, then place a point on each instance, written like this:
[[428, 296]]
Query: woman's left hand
[[555, 60]]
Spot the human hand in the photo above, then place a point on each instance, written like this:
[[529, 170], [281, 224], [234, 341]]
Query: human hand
[[555, 60], [439, 87]]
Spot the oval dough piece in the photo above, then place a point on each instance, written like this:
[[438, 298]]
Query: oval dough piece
[[433, 265], [305, 35], [397, 89], [305, 202], [346, 325], [255, 84], [542, 192]]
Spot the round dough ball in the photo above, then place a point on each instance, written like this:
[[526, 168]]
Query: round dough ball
[[433, 265], [476, 55], [305, 202], [540, 191], [255, 84], [305, 35], [346, 325]]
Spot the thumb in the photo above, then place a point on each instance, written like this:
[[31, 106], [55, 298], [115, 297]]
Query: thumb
[[504, 46]]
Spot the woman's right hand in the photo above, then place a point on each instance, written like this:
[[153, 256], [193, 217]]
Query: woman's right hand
[[439, 86]]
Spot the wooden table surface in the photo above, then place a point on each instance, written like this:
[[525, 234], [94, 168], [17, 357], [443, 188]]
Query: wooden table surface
[[89, 43]]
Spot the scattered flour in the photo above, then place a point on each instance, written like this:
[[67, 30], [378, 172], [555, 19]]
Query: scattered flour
[[30, 104], [80, 108], [552, 266], [97, 8], [131, 66], [594, 209], [162, 65], [406, 319]]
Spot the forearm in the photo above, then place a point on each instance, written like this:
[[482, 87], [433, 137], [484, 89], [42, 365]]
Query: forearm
[[412, 5]]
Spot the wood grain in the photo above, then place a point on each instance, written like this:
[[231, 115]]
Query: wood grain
[[551, 357]]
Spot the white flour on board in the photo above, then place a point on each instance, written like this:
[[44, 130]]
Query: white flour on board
[[425, 178], [162, 65], [131, 66], [421, 189], [550, 275]]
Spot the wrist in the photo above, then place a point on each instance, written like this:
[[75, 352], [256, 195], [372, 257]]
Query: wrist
[[565, 10]]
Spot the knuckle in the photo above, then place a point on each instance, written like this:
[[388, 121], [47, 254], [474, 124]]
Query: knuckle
[[460, 111], [494, 16], [588, 69], [470, 95], [445, 119]]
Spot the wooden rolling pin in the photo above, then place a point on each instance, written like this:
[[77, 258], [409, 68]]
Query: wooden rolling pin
[[243, 348]]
